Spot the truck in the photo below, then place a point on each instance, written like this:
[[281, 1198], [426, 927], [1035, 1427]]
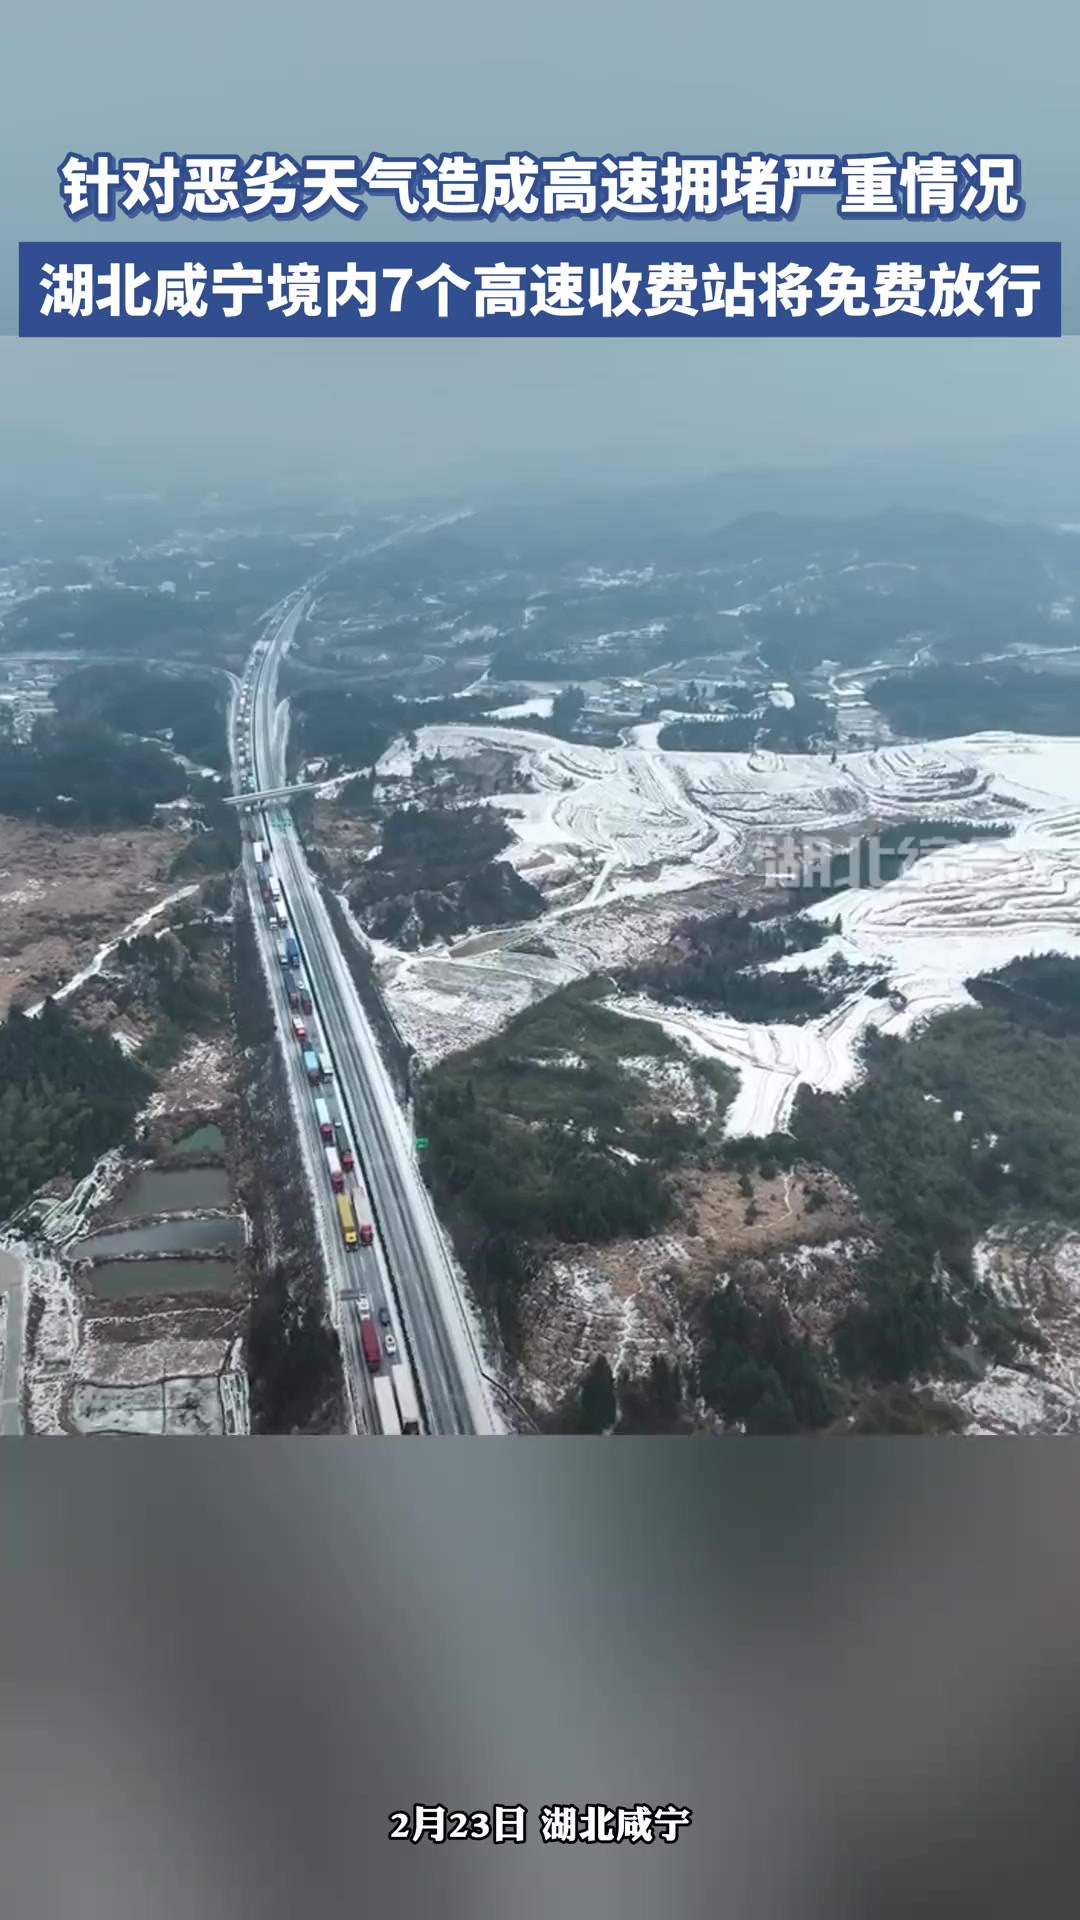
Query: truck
[[347, 1219], [405, 1394], [260, 852], [299, 1030], [333, 1168], [385, 1404], [283, 952], [275, 887], [305, 997], [343, 1144], [326, 1125], [369, 1340], [311, 1065], [281, 917], [366, 1235], [292, 996], [292, 951]]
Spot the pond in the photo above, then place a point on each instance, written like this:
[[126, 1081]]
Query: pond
[[167, 1236], [182, 1190], [121, 1279], [208, 1139]]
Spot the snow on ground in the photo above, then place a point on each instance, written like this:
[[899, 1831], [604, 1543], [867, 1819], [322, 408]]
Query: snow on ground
[[613, 1301], [1033, 1268], [623, 814], [193, 1406], [62, 1220], [636, 823], [101, 956], [956, 913], [235, 1398], [79, 1380], [642, 820], [201, 1079], [130, 1410], [47, 1369], [772, 1061], [446, 999], [1008, 1401], [204, 1406], [540, 707], [686, 1095], [109, 1362]]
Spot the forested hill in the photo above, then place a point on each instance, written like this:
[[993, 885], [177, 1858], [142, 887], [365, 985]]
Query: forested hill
[[66, 1095]]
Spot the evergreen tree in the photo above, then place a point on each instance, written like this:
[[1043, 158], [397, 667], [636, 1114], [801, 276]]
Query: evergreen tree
[[597, 1409]]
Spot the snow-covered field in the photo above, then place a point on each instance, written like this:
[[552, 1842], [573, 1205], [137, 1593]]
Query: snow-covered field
[[79, 1376], [644, 826], [773, 1061]]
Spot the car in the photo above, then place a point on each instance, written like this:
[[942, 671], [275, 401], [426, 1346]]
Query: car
[[384, 1316], [327, 1070], [363, 1305], [299, 1029], [389, 1345]]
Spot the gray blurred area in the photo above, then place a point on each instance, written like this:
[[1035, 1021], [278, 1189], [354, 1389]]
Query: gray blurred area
[[225, 1670]]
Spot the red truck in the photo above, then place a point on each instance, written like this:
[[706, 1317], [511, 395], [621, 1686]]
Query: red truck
[[299, 1029], [365, 1233], [369, 1340]]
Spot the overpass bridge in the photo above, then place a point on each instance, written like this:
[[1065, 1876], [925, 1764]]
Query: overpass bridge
[[257, 796]]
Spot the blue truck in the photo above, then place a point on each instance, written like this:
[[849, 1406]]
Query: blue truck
[[312, 1066], [292, 952]]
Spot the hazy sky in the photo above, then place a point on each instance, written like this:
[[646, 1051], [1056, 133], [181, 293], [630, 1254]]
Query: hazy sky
[[397, 414]]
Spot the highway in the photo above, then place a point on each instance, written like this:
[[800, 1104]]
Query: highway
[[407, 1273], [344, 1272]]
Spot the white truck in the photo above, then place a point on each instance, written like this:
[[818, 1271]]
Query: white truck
[[385, 1404], [408, 1409], [333, 1168], [260, 852]]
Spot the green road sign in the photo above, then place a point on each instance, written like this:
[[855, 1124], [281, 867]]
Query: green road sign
[[420, 1145]]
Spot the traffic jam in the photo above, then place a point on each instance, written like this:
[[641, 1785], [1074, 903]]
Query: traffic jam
[[392, 1386]]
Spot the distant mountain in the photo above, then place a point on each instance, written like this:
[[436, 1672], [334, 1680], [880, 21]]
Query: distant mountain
[[1029, 479]]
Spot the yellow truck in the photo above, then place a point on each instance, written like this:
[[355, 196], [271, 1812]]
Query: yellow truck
[[348, 1220]]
